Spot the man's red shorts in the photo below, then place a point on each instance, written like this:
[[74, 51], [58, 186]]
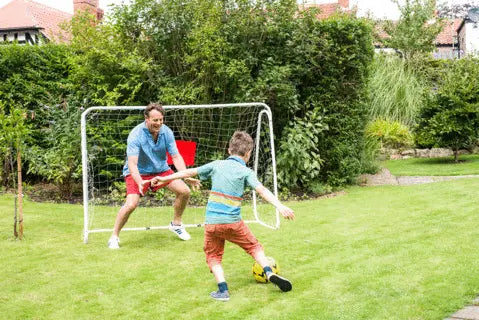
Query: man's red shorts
[[132, 186], [238, 233]]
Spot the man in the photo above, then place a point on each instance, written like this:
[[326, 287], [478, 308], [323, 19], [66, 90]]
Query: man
[[146, 151]]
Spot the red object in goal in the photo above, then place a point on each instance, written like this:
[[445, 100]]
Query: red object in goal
[[187, 149]]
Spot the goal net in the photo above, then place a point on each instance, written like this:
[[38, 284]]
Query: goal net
[[202, 133]]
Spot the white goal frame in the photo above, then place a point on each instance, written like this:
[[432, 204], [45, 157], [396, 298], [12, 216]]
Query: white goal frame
[[266, 112]]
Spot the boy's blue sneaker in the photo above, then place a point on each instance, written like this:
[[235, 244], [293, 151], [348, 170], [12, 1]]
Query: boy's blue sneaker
[[220, 296], [283, 283]]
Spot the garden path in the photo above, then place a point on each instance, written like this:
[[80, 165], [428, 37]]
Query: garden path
[[384, 177]]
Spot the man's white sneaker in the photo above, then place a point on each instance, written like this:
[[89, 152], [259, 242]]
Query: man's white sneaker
[[180, 231], [114, 243]]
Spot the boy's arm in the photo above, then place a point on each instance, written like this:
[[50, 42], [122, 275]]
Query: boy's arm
[[179, 163], [188, 173], [268, 196]]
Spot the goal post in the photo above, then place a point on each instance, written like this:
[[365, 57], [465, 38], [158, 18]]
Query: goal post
[[104, 131]]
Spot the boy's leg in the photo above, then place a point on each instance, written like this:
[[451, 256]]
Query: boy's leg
[[214, 249], [242, 236], [222, 294], [282, 283], [218, 272]]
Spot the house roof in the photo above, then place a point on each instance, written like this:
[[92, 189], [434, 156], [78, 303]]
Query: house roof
[[449, 32], [325, 10], [27, 14]]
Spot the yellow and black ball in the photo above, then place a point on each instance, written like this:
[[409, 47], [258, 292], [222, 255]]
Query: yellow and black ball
[[258, 272]]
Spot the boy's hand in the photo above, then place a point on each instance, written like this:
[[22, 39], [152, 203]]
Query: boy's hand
[[287, 213], [194, 183], [157, 181]]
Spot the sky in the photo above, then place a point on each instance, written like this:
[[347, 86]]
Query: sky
[[378, 8]]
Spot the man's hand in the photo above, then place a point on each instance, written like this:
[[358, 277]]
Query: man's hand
[[286, 212], [194, 183], [143, 186]]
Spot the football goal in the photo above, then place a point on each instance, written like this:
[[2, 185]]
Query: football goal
[[202, 133]]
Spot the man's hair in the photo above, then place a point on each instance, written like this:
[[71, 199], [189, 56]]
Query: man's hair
[[153, 106], [240, 143]]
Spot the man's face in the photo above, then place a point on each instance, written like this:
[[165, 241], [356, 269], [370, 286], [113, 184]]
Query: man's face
[[154, 121]]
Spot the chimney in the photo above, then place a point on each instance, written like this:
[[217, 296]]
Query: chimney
[[344, 4], [91, 6]]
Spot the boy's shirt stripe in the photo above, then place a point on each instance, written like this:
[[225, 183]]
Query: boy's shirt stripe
[[230, 213], [225, 195], [224, 200]]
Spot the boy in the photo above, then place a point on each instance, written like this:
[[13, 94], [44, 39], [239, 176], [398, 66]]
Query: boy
[[223, 218]]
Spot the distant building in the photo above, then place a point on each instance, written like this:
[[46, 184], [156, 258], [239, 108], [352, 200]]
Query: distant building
[[468, 37], [29, 22], [447, 44]]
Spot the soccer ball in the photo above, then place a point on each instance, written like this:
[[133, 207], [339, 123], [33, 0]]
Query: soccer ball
[[258, 272]]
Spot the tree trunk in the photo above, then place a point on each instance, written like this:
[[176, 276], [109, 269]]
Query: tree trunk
[[20, 194], [456, 154]]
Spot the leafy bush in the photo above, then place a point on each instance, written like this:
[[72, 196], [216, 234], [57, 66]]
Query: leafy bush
[[336, 57], [450, 119], [59, 159], [319, 188], [299, 161], [390, 134]]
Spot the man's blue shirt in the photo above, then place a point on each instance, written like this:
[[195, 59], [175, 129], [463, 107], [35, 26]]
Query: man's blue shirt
[[229, 178], [151, 154]]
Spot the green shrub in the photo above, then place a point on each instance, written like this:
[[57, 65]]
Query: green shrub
[[319, 188], [390, 134], [58, 159], [299, 161], [450, 119]]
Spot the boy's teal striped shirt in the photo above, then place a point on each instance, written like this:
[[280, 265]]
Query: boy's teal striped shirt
[[229, 178]]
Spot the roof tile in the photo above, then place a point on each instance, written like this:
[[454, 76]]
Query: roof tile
[[30, 14]]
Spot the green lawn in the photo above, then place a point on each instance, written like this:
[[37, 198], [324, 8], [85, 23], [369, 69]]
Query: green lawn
[[469, 164], [387, 252]]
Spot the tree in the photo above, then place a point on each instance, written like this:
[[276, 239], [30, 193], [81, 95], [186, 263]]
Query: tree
[[13, 133], [416, 31], [451, 117]]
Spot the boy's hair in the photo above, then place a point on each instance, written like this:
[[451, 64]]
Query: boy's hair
[[240, 144], [153, 106]]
